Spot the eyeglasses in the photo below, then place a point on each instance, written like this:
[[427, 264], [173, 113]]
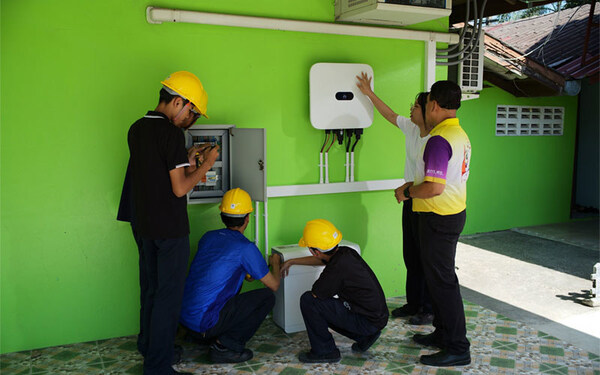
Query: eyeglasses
[[192, 110]]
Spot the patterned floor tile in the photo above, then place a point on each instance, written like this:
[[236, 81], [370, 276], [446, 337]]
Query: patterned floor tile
[[498, 346]]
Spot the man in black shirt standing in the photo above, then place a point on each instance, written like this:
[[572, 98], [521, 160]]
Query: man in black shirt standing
[[162, 172], [360, 311]]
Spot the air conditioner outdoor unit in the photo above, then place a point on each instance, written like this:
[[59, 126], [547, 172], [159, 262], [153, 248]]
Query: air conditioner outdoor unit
[[391, 12], [469, 73], [471, 70]]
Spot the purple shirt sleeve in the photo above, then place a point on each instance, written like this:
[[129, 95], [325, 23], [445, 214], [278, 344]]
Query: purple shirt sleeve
[[436, 156]]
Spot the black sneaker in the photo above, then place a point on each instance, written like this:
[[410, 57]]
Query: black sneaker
[[310, 357], [421, 319], [363, 346], [404, 311], [431, 339], [221, 354]]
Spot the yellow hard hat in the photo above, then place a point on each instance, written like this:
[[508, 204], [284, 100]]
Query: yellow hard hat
[[188, 86], [321, 234], [236, 202]]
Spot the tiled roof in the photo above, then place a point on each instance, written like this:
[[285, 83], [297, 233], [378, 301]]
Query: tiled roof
[[565, 46]]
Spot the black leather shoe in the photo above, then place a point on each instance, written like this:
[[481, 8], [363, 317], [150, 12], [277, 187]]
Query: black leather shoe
[[431, 339], [363, 346], [310, 357], [421, 319], [225, 355], [404, 311], [445, 359]]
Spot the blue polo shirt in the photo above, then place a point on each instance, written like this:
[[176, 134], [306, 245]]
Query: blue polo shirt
[[223, 259]]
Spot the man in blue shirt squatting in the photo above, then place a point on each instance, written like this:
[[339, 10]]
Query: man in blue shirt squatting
[[213, 310], [359, 311], [440, 198]]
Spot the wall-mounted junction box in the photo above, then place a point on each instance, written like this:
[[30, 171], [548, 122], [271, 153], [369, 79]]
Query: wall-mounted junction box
[[241, 163]]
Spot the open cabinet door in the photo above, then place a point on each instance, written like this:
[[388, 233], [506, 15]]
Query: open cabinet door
[[249, 162]]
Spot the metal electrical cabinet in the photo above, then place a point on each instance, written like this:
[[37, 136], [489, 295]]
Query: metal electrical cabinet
[[241, 162], [286, 312]]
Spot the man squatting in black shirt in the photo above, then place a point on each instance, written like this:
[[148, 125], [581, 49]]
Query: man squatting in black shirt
[[359, 312]]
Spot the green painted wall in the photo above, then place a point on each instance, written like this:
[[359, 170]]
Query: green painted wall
[[517, 181], [75, 75]]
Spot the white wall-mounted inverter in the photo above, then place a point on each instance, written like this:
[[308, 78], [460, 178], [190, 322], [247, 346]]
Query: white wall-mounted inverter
[[286, 313], [391, 12], [335, 101]]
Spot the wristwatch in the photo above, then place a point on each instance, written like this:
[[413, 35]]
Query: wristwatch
[[407, 193]]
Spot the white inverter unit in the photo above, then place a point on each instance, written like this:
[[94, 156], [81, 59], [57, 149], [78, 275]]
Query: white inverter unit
[[391, 12], [286, 313], [335, 101]]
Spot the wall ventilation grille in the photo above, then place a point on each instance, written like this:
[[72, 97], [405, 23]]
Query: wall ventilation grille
[[525, 121]]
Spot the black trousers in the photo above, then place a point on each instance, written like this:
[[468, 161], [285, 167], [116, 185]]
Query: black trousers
[[163, 266], [239, 319], [321, 314], [417, 295], [143, 289], [439, 235]]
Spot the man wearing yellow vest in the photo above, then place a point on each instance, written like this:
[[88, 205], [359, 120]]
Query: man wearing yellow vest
[[439, 197]]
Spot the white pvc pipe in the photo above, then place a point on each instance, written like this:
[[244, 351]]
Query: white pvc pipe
[[430, 52], [351, 167], [321, 168], [266, 216], [256, 223], [160, 15], [326, 167], [347, 168]]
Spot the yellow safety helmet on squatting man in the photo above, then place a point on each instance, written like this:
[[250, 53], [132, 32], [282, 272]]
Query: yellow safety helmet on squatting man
[[189, 87], [320, 234], [236, 203]]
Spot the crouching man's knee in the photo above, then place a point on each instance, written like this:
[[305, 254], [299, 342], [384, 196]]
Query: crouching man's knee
[[307, 299], [265, 295], [270, 299]]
